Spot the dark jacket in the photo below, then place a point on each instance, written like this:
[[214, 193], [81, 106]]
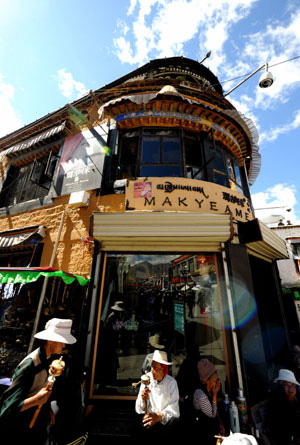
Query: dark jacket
[[282, 419], [29, 377]]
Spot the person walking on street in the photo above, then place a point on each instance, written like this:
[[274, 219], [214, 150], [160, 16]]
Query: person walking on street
[[29, 390]]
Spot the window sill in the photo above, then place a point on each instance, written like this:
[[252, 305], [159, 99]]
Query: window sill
[[26, 206]]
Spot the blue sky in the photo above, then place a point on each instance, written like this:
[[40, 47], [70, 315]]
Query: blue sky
[[54, 51]]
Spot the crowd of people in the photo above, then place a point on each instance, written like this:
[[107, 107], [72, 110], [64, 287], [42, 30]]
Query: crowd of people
[[30, 406]]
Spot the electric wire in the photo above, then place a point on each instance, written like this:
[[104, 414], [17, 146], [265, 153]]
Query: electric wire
[[247, 74]]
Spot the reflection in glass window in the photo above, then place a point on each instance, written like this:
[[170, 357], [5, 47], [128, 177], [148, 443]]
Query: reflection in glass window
[[230, 168], [151, 150], [166, 152], [129, 151], [192, 152], [171, 151], [161, 170], [194, 173], [220, 179], [237, 174], [217, 162], [146, 295]]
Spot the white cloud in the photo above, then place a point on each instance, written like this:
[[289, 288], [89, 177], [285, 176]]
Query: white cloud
[[276, 43], [276, 200], [164, 28], [273, 133], [8, 116], [161, 28], [132, 6], [122, 27], [68, 86]]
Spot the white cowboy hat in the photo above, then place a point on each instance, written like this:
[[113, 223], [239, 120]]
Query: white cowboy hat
[[116, 306], [287, 376], [57, 329], [160, 357], [239, 439], [154, 342]]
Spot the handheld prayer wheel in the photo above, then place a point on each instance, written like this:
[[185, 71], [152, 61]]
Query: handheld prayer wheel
[[55, 370], [145, 380]]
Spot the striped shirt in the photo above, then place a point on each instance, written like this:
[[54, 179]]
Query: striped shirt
[[202, 402]]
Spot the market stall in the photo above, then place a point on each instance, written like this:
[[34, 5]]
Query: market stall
[[20, 294]]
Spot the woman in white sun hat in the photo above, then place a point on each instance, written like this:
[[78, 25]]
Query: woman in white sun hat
[[282, 421], [161, 396], [28, 388]]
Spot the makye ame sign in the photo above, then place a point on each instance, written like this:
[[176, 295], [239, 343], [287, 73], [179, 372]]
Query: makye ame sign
[[190, 195]]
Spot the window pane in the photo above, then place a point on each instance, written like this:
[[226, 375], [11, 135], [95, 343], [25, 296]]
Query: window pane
[[26, 189], [237, 174], [129, 151], [218, 163], [232, 185], [230, 168], [37, 171], [128, 158], [161, 170], [192, 153], [151, 149], [157, 295], [194, 173], [220, 179], [157, 132], [171, 150]]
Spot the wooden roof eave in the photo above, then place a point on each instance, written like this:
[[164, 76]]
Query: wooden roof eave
[[177, 104]]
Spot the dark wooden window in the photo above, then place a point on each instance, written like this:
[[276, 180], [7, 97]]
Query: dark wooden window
[[167, 152], [222, 167], [29, 181]]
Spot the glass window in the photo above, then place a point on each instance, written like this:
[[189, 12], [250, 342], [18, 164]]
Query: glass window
[[230, 167], [296, 249], [192, 152], [160, 152], [129, 157], [218, 162], [171, 152], [237, 174], [161, 171], [220, 179], [233, 173], [26, 182], [194, 173], [129, 151], [151, 150], [142, 298]]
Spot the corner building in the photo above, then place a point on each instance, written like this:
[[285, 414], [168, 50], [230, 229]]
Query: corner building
[[176, 244], [179, 243]]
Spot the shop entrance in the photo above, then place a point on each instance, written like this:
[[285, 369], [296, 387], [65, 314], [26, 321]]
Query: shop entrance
[[171, 298]]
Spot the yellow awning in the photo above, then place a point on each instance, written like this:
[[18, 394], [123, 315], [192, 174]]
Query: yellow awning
[[161, 231], [262, 241]]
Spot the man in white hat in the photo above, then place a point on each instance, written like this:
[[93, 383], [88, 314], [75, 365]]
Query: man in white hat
[[153, 344], [28, 389], [161, 396]]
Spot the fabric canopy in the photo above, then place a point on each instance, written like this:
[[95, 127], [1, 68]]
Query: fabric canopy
[[20, 148], [12, 238], [31, 274]]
